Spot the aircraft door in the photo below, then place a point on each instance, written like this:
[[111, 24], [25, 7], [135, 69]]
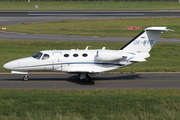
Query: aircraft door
[[57, 62]]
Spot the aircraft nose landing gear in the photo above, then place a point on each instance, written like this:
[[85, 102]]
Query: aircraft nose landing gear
[[26, 78]]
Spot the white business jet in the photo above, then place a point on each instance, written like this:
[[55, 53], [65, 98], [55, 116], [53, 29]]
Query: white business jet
[[89, 62]]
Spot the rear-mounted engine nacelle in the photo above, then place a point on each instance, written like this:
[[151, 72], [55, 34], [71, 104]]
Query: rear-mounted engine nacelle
[[108, 55]]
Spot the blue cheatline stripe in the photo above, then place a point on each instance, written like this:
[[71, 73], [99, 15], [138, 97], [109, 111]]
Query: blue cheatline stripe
[[34, 66], [71, 63], [94, 63]]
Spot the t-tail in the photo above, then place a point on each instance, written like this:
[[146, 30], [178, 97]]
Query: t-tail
[[145, 40], [140, 46]]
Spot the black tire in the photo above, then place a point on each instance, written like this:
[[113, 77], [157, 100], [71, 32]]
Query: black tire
[[87, 79], [25, 78]]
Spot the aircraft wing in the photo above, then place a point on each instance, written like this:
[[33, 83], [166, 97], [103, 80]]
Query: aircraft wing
[[81, 72]]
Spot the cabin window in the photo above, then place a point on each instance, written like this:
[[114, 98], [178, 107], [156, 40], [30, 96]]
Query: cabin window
[[45, 57], [84, 55], [75, 55], [37, 55], [66, 55]]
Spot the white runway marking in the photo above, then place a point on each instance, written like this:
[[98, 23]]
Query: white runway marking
[[135, 14]]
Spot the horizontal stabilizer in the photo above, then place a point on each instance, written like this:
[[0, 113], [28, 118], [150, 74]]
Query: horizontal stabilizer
[[138, 59], [157, 29]]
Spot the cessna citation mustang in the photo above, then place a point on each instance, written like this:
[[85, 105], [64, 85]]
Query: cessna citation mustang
[[89, 62]]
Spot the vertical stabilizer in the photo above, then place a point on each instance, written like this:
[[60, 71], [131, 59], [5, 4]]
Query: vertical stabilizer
[[145, 40]]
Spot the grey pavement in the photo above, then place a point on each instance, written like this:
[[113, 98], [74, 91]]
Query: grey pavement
[[104, 81]]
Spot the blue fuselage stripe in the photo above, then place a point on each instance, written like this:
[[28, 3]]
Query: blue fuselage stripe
[[72, 63]]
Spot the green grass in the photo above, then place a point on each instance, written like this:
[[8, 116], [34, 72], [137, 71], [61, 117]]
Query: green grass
[[103, 28], [90, 105], [164, 56], [89, 5]]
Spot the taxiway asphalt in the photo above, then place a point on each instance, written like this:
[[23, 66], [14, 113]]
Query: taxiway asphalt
[[104, 81], [116, 13], [23, 36], [18, 17]]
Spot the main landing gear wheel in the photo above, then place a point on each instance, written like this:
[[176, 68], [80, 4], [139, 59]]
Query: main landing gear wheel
[[25, 78], [87, 79]]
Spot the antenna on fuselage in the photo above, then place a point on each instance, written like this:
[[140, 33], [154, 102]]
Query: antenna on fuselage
[[87, 48]]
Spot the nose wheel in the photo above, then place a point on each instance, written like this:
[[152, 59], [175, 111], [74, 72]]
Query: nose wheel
[[26, 78]]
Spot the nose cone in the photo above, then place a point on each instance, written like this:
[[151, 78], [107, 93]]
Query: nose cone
[[18, 64], [8, 66]]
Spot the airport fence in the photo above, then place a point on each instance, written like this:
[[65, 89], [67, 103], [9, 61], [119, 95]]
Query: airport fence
[[97, 0]]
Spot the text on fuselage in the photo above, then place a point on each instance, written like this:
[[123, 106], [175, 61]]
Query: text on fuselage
[[145, 42]]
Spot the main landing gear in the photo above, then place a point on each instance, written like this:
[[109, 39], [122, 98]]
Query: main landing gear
[[25, 78], [85, 77]]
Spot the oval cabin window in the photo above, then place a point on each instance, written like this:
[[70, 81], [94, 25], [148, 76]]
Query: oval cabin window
[[75, 55], [66, 55], [84, 55]]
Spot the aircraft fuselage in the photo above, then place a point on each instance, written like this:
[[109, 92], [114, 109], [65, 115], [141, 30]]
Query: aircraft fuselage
[[88, 62], [73, 61]]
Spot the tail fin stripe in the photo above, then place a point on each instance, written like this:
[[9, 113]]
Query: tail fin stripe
[[132, 40]]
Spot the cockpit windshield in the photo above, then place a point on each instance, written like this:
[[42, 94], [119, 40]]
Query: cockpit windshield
[[37, 55]]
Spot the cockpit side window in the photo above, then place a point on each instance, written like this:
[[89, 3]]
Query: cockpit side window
[[37, 55], [45, 57]]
